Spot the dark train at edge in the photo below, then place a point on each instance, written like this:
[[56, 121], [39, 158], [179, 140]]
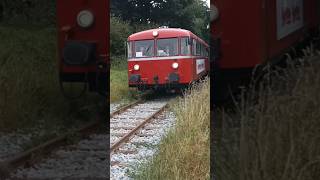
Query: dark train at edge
[[246, 36], [83, 43]]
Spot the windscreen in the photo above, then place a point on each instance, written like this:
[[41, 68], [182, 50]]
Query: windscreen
[[167, 47], [144, 48]]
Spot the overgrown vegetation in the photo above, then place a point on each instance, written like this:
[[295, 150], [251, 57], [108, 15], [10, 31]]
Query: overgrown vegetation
[[119, 89], [30, 94], [184, 153], [274, 133], [28, 12]]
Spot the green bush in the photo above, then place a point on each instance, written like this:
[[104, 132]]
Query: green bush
[[119, 32]]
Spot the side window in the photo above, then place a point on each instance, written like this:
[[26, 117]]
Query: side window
[[198, 49], [185, 46], [207, 52], [194, 45], [129, 50], [203, 50]]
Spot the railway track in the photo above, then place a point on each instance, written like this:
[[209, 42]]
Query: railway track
[[135, 130], [88, 158], [84, 158]]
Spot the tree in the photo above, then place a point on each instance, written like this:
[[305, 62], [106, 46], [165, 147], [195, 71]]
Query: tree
[[188, 14], [28, 11]]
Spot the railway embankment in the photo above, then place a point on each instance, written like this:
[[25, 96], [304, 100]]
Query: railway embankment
[[184, 152], [274, 132]]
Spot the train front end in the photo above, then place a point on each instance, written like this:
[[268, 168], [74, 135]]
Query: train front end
[[161, 59], [82, 43]]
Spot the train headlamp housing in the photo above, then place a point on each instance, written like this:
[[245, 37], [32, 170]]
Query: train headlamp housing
[[175, 65], [155, 33], [136, 67], [85, 18]]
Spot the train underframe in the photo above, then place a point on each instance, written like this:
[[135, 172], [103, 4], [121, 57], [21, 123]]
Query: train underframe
[[92, 81]]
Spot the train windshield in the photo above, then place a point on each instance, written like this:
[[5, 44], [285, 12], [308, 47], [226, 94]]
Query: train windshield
[[144, 48], [167, 47]]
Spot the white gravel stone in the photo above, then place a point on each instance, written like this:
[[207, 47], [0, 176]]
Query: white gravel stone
[[87, 159], [142, 147]]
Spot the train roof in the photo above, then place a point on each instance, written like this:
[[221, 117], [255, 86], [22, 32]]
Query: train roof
[[163, 33]]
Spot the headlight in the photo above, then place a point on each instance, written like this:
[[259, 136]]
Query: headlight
[[175, 65], [85, 18], [136, 67]]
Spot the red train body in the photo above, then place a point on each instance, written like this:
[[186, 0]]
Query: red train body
[[83, 42], [256, 32], [166, 58]]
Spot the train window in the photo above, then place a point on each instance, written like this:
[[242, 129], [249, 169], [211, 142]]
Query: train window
[[203, 50], [194, 45], [185, 46], [198, 49], [207, 52], [167, 47], [129, 46], [144, 48]]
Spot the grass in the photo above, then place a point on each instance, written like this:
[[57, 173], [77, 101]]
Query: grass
[[30, 95], [274, 133], [119, 90], [184, 153]]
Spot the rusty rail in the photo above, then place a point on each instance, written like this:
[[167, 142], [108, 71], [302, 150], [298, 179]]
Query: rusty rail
[[126, 137]]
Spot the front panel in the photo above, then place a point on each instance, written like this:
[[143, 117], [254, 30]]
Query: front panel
[[83, 34]]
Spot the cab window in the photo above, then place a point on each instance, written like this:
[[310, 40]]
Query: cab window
[[144, 48], [167, 47]]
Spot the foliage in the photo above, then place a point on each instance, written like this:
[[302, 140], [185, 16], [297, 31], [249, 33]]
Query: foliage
[[119, 32], [29, 84], [119, 90], [28, 12], [187, 14], [274, 133]]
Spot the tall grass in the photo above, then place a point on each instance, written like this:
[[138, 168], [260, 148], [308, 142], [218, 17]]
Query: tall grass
[[29, 79], [119, 89], [184, 153], [276, 134]]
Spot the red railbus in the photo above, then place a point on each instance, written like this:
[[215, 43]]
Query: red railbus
[[166, 58], [83, 43], [248, 36]]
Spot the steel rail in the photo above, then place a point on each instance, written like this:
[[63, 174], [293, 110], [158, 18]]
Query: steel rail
[[126, 137], [33, 155]]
